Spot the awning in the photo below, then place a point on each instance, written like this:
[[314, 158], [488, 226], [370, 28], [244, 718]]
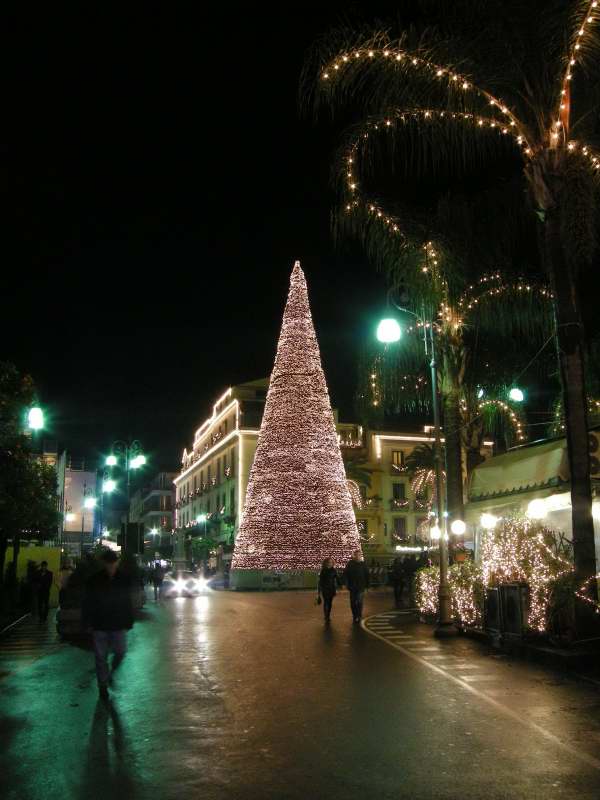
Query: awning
[[531, 467]]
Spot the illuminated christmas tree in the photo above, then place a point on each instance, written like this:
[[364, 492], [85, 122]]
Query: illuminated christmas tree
[[298, 508]]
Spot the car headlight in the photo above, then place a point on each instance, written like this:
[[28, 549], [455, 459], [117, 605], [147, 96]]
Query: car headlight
[[180, 584], [202, 583]]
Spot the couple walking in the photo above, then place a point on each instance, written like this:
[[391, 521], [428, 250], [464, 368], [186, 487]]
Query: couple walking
[[356, 578]]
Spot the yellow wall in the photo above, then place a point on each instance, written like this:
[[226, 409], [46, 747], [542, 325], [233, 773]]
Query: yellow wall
[[38, 554]]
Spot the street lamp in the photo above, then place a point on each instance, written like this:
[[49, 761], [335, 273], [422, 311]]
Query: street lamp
[[202, 518], [516, 395], [387, 332], [89, 502], [132, 458], [108, 486], [35, 419], [458, 527]]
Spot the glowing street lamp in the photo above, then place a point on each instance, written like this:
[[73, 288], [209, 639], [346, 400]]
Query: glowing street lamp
[[35, 419], [537, 509], [70, 517], [488, 521], [202, 518], [516, 395], [458, 527], [111, 461], [109, 486], [388, 331], [89, 502]]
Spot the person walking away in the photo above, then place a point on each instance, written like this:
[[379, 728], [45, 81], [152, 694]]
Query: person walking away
[[64, 576], [397, 579], [43, 581], [108, 611], [356, 576], [157, 580], [327, 586]]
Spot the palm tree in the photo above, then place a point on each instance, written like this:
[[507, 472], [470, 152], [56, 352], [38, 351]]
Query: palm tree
[[525, 74]]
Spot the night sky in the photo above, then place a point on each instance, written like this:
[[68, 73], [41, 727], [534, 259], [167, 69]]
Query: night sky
[[159, 184]]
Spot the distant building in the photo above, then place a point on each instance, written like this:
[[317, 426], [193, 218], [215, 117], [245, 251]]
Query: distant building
[[153, 506], [76, 482], [390, 512]]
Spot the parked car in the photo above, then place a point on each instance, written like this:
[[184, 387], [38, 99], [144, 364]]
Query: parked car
[[183, 584]]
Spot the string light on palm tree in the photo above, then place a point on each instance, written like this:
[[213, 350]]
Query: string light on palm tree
[[438, 100]]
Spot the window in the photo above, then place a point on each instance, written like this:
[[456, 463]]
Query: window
[[363, 526], [218, 470], [225, 426], [399, 491], [400, 527], [195, 482], [232, 502], [398, 458]]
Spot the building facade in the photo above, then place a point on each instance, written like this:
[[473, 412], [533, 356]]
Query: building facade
[[393, 508], [215, 473], [215, 470], [153, 507]]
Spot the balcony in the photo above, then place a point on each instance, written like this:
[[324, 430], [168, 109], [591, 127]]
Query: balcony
[[399, 505], [398, 469], [371, 503]]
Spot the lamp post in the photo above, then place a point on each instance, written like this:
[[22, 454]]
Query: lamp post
[[130, 455], [89, 502], [389, 331]]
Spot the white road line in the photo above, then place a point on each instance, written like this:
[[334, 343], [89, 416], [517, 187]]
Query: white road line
[[471, 678], [508, 712]]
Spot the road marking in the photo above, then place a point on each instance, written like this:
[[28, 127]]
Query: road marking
[[508, 712], [471, 678]]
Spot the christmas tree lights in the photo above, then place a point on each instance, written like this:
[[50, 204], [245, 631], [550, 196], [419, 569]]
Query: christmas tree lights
[[298, 508]]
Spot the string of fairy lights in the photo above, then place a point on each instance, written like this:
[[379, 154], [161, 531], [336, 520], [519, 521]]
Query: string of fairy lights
[[516, 550], [455, 80], [588, 18], [559, 421], [514, 417]]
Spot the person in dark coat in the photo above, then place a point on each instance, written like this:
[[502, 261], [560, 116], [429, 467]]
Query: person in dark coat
[[108, 611], [356, 576], [398, 580], [157, 580], [327, 586], [43, 584]]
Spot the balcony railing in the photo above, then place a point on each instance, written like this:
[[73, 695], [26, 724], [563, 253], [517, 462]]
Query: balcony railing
[[398, 469], [399, 505]]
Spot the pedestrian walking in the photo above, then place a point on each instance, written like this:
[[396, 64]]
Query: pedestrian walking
[[43, 583], [327, 586], [157, 580], [398, 580], [356, 576], [108, 611], [64, 576]]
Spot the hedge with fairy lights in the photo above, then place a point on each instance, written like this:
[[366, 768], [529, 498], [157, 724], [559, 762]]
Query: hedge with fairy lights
[[298, 507], [517, 550]]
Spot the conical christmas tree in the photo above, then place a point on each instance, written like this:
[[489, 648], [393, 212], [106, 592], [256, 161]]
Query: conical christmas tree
[[298, 508]]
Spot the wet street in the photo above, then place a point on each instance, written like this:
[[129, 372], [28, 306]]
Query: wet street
[[250, 696]]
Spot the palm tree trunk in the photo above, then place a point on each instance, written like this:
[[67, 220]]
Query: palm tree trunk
[[570, 343], [453, 446]]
